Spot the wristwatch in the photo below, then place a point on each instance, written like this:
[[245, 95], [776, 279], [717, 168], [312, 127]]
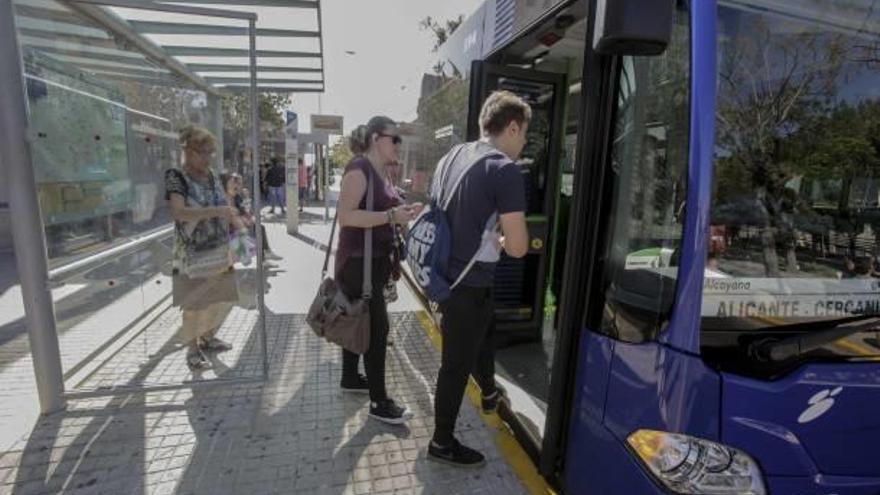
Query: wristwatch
[[391, 216]]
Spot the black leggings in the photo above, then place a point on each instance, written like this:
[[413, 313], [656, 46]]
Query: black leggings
[[351, 281]]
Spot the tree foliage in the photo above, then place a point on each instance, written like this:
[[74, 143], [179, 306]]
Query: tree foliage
[[441, 32], [340, 154], [791, 152], [237, 118], [237, 110]]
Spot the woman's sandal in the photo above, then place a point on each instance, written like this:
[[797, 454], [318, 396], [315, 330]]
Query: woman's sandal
[[197, 361]]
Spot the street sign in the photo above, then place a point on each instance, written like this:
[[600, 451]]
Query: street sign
[[327, 124], [291, 127]]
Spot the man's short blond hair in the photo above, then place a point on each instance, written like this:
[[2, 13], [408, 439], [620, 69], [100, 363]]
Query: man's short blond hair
[[500, 109]]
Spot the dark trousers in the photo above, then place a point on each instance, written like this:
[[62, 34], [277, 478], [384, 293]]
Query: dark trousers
[[468, 347], [351, 281]]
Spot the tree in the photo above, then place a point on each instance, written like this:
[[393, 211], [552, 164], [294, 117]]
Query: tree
[[843, 147], [237, 119], [441, 32], [340, 154]]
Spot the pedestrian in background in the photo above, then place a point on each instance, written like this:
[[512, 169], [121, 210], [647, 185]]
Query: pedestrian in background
[[303, 179], [264, 188], [275, 180], [235, 192]]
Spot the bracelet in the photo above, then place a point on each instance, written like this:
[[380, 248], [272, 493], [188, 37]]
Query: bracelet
[[390, 214]]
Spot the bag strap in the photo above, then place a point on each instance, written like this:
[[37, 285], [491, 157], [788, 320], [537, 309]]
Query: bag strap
[[367, 293], [330, 244]]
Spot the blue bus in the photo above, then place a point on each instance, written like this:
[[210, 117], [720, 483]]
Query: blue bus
[[700, 309]]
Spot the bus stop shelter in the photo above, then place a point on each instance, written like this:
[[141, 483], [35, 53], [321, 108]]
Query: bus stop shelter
[[94, 91]]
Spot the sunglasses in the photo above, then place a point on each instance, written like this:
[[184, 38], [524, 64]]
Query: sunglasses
[[394, 138], [210, 152]]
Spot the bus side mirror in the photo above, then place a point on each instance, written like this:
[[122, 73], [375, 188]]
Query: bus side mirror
[[633, 27]]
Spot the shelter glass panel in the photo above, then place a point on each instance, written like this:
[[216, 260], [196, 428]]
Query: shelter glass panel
[[106, 122]]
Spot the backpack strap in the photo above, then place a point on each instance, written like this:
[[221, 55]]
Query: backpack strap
[[445, 194], [446, 191], [440, 187], [491, 222], [464, 272]]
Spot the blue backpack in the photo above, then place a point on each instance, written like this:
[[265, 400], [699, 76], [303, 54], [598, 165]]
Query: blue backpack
[[429, 241]]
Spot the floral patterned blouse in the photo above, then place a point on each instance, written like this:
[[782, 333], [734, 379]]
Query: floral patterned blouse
[[204, 234]]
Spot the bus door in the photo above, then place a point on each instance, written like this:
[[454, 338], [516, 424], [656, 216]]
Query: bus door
[[520, 284]]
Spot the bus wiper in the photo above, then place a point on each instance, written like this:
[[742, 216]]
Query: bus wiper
[[792, 347]]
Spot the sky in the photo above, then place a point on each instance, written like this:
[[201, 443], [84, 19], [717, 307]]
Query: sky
[[391, 54]]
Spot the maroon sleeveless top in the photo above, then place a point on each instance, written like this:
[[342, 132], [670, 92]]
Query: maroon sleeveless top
[[351, 239]]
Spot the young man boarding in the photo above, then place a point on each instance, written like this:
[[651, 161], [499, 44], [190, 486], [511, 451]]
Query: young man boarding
[[488, 193]]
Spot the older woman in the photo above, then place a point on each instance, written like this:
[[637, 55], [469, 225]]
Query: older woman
[[203, 284]]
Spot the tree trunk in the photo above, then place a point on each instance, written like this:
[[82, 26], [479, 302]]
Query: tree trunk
[[768, 232], [791, 263], [768, 245]]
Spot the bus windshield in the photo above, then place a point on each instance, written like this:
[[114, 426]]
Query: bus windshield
[[795, 218]]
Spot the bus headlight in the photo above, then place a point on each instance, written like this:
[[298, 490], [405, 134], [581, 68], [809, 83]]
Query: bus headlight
[[689, 465]]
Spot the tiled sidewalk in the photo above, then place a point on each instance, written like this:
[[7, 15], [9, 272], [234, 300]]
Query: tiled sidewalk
[[297, 433]]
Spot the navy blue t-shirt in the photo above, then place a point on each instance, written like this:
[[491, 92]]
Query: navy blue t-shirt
[[494, 185]]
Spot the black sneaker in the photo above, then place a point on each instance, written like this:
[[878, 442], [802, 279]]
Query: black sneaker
[[455, 454], [389, 412], [359, 386], [490, 403]]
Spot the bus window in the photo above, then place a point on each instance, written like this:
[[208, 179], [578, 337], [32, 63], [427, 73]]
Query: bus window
[[649, 158], [795, 219]]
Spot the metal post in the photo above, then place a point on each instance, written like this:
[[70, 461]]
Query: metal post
[[319, 174], [27, 224], [326, 185], [255, 159]]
